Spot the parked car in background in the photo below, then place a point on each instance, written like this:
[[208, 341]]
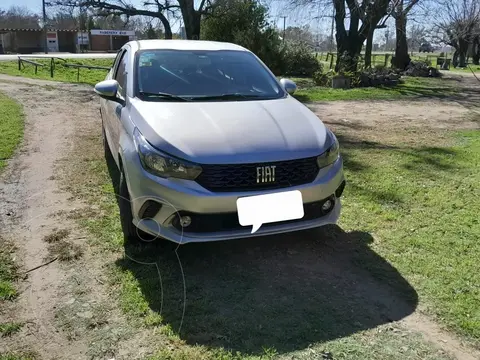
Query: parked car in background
[[426, 47], [194, 126]]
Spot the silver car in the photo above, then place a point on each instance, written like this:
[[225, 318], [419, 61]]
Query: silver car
[[194, 126]]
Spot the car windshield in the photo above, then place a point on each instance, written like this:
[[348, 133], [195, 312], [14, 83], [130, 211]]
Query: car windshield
[[183, 75]]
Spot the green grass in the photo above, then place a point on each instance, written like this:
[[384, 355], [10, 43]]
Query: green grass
[[11, 128], [307, 92], [18, 356], [411, 88], [8, 271], [11, 132], [423, 205], [61, 73], [7, 329], [410, 212]]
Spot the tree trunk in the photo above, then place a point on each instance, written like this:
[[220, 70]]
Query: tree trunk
[[368, 48], [462, 53], [455, 59], [402, 59], [476, 51], [166, 26], [192, 30], [191, 19], [348, 53]]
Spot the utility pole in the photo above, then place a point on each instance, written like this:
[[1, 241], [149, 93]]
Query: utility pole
[[45, 42], [284, 22]]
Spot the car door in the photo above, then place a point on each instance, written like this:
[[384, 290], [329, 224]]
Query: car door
[[113, 110]]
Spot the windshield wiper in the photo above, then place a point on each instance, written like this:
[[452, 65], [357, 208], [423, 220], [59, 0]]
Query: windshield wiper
[[163, 95], [233, 96]]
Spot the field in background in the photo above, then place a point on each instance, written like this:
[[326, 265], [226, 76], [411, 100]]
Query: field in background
[[384, 59], [61, 73], [307, 89]]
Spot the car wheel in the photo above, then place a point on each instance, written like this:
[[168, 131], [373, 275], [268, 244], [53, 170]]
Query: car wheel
[[126, 217], [130, 231], [106, 148]]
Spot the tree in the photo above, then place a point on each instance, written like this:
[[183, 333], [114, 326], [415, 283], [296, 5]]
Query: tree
[[364, 17], [156, 9], [417, 36], [458, 21], [19, 18], [476, 47], [401, 8], [244, 22], [299, 33], [63, 20]]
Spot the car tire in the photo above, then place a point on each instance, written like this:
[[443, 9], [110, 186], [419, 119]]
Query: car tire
[[130, 231], [106, 148], [126, 217]]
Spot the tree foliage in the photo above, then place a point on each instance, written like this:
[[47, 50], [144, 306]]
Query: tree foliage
[[243, 22], [19, 18], [298, 59]]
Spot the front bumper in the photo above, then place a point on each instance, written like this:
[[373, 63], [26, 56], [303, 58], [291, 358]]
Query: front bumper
[[177, 196]]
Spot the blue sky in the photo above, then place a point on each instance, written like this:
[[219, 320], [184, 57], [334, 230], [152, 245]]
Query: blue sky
[[35, 5]]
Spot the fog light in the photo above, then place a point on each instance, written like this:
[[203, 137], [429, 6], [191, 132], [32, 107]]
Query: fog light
[[327, 206], [185, 221]]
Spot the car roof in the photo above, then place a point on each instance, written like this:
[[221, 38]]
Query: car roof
[[183, 45]]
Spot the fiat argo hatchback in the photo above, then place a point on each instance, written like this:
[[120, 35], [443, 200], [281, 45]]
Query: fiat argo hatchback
[[198, 128]]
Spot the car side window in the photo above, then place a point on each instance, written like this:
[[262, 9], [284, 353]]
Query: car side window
[[120, 74]]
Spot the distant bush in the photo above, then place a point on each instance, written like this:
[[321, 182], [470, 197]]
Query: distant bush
[[421, 69], [377, 77], [427, 62], [323, 79], [299, 60], [373, 77]]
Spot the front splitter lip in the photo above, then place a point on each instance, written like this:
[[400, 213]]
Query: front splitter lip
[[170, 233]]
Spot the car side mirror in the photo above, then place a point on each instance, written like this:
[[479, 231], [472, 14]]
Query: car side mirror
[[108, 90], [289, 86]]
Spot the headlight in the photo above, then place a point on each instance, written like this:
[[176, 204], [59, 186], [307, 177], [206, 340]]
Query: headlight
[[332, 153], [161, 164]]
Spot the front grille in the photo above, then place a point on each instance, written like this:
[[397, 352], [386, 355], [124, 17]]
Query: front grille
[[243, 177], [203, 223]]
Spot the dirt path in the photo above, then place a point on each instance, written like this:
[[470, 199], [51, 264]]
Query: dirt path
[[60, 303], [65, 304]]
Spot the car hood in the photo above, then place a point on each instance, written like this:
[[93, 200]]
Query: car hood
[[229, 132]]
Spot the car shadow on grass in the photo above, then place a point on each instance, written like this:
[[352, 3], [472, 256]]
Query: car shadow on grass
[[283, 292]]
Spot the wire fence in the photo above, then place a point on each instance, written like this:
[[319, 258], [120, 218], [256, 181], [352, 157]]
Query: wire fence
[[22, 60], [329, 59]]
